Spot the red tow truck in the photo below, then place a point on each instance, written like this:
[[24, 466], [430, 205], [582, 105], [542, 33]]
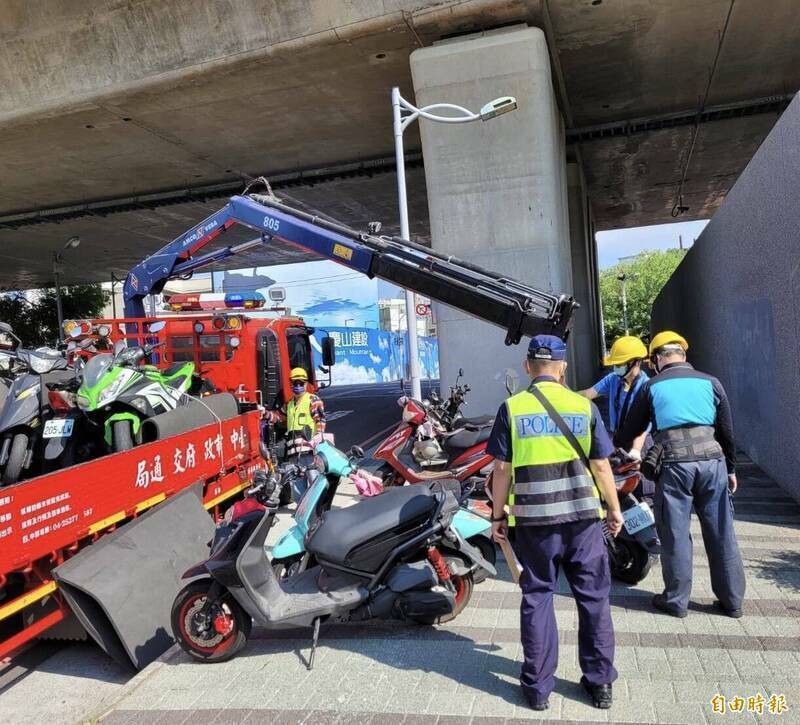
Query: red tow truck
[[53, 521]]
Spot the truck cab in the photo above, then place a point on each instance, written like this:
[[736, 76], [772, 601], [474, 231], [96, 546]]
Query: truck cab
[[235, 352]]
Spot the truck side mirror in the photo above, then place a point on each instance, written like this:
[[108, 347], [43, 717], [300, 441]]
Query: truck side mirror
[[328, 351]]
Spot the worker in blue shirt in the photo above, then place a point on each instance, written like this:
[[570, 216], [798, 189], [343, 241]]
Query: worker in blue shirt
[[622, 384], [691, 420], [620, 387]]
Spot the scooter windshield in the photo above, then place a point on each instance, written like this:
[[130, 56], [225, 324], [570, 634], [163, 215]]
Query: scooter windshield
[[96, 368]]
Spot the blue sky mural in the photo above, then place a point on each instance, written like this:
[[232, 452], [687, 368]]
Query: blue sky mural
[[323, 292]]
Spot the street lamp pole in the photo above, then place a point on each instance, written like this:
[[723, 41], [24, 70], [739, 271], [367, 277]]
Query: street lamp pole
[[71, 243], [399, 105], [623, 278]]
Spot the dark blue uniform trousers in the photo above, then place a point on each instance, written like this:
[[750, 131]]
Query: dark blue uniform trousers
[[704, 485], [580, 549]]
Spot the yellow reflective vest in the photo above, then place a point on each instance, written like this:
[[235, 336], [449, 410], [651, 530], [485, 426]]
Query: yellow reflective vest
[[550, 483], [300, 425]]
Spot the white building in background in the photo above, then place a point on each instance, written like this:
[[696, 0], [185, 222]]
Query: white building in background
[[392, 315]]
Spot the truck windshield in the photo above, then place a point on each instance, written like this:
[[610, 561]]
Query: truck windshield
[[300, 350]]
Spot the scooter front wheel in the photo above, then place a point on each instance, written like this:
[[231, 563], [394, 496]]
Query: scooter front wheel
[[215, 635], [16, 459], [122, 435]]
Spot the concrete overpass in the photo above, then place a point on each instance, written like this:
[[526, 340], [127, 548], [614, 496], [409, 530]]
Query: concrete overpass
[[127, 122]]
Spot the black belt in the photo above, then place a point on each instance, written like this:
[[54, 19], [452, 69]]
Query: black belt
[[696, 443]]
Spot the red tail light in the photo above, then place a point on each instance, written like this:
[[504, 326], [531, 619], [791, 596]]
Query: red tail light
[[57, 402], [627, 485]]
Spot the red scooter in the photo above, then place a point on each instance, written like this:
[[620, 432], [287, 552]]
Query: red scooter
[[421, 450]]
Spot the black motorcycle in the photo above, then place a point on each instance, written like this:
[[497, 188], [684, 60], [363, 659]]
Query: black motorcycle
[[390, 556], [447, 412], [632, 553]]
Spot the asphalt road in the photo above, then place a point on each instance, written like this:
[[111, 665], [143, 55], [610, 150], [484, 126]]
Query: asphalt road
[[364, 414]]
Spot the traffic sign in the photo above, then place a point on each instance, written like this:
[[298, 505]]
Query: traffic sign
[[422, 310]]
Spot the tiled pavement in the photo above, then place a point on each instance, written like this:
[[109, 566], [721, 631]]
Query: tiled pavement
[[467, 671]]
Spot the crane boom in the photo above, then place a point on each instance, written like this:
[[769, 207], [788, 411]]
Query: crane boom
[[518, 308]]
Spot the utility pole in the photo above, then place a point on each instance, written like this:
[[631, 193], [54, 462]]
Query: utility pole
[[680, 241], [623, 278]]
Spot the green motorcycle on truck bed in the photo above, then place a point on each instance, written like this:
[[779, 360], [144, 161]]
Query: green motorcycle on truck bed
[[118, 393]]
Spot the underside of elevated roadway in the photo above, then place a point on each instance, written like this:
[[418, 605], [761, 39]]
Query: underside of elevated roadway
[[127, 121]]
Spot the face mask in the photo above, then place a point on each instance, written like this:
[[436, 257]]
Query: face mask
[[298, 388], [621, 370]]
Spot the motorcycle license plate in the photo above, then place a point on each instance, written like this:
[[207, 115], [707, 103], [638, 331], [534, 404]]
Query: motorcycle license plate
[[637, 518], [58, 428]]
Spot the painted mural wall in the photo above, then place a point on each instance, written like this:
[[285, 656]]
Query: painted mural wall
[[366, 355], [343, 304]]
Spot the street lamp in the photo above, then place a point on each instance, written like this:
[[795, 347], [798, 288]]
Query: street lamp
[[494, 108], [58, 257], [349, 319], [623, 277]]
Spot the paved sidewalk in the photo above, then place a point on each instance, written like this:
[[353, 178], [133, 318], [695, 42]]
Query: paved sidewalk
[[467, 671]]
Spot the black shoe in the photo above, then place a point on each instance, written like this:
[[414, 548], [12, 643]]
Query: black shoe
[[600, 694], [660, 603], [732, 613], [543, 705]]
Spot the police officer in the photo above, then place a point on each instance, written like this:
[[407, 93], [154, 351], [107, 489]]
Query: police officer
[[622, 384], [556, 510], [691, 419]]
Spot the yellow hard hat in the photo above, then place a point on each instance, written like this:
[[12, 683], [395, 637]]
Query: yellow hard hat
[[624, 350], [668, 338], [298, 374]]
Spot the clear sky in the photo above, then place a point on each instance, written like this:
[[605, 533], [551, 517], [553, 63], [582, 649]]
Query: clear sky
[[618, 243]]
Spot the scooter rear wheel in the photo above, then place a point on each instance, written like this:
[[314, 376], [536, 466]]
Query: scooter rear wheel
[[219, 638], [464, 586], [631, 562]]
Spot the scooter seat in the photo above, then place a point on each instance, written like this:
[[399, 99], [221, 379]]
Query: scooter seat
[[466, 438], [479, 421], [172, 369], [360, 536]]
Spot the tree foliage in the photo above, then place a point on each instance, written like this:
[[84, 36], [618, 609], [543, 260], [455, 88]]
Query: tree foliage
[[36, 323], [645, 275]]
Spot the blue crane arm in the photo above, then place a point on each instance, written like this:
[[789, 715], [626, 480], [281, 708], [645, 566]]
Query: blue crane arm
[[515, 306]]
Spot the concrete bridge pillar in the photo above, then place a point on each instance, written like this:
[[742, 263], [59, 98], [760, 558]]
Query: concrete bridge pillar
[[497, 190]]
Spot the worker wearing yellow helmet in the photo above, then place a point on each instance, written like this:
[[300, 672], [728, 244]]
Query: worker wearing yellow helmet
[[622, 384], [303, 415], [690, 417]]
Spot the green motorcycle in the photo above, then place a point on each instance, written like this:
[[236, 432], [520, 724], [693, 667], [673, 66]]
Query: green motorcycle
[[118, 392]]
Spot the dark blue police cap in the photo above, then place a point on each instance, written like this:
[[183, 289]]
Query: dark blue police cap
[[547, 347]]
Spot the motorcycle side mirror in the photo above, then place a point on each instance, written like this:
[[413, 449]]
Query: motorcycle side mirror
[[461, 372], [511, 385], [357, 452], [5, 327]]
